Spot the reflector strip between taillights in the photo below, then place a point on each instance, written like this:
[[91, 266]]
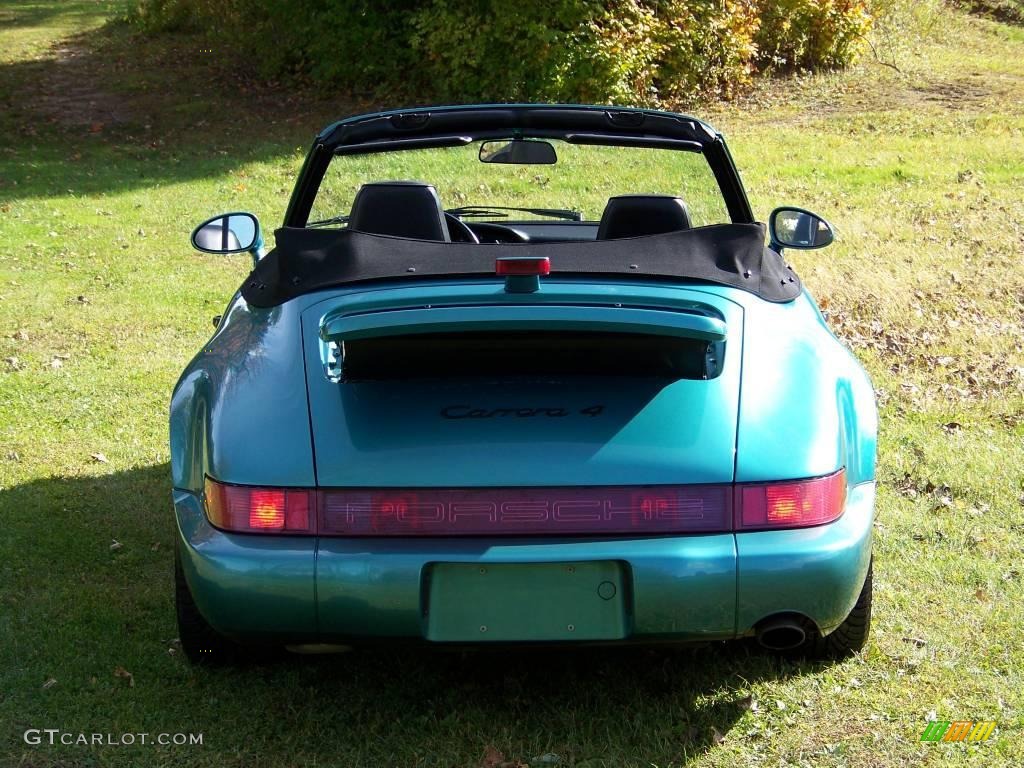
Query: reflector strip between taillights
[[599, 510]]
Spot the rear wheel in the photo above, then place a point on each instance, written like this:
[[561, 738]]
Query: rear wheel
[[201, 643], [849, 637]]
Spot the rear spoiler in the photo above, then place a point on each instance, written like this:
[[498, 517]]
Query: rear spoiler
[[466, 319]]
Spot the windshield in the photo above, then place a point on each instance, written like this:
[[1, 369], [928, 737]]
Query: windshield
[[576, 186]]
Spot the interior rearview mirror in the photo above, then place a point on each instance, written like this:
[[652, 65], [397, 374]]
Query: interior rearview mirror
[[791, 227], [228, 233], [518, 152]]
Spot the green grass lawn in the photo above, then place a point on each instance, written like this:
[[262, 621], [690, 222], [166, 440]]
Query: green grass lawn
[[112, 147]]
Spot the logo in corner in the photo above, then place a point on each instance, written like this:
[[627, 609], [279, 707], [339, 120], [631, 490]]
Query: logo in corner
[[958, 730]]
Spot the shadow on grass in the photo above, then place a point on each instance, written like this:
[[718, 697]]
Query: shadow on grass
[[109, 110], [87, 591], [33, 13]]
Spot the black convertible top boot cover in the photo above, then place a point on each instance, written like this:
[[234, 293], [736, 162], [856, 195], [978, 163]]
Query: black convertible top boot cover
[[307, 260]]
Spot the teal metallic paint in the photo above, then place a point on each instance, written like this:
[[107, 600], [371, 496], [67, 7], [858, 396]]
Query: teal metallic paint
[[239, 409], [245, 586], [540, 317], [807, 407], [817, 572], [649, 432], [682, 588]]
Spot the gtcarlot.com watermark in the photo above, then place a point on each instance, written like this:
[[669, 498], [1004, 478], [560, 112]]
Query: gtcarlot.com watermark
[[53, 736]]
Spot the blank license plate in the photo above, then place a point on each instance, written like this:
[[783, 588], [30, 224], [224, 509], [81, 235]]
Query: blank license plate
[[510, 602]]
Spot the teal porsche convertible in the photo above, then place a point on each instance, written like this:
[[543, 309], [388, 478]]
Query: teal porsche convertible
[[521, 374]]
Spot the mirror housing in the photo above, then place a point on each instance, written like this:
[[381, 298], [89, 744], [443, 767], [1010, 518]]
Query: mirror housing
[[791, 227], [230, 233], [518, 152]]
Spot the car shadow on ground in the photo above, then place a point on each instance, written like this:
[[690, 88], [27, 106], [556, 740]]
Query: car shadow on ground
[[103, 604]]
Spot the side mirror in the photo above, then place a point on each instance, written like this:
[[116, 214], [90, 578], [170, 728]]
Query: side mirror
[[518, 152], [791, 227], [229, 233]]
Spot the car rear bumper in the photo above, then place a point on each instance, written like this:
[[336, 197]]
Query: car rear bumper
[[685, 588]]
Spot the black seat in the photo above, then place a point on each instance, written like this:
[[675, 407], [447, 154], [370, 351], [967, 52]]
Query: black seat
[[637, 215], [400, 209]]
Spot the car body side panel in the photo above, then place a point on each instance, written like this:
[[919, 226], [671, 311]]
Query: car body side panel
[[238, 412], [806, 407], [246, 586], [817, 572]]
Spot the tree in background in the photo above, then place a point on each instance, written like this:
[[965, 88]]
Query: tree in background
[[645, 52]]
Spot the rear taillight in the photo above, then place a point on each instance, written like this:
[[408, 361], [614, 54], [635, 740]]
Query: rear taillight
[[573, 511], [792, 504], [260, 510]]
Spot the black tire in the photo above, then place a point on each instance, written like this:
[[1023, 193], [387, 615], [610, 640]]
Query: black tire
[[849, 637], [200, 642]]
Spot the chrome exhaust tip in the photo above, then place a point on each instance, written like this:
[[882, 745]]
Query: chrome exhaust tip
[[780, 633]]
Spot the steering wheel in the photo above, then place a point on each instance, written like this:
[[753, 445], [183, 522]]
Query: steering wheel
[[459, 230]]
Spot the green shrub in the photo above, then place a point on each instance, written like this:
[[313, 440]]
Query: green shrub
[[647, 52], [811, 34]]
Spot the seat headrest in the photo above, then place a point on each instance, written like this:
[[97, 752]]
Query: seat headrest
[[637, 215], [401, 209]]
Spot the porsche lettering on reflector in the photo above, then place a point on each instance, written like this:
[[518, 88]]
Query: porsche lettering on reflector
[[511, 511]]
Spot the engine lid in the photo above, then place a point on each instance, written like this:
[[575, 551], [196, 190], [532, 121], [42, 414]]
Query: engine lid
[[524, 425]]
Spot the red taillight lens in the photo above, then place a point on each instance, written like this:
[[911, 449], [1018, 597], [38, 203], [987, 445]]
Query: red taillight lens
[[259, 510], [793, 504], [522, 265], [638, 510]]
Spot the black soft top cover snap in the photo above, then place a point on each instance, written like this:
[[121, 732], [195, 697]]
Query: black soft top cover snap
[[307, 260]]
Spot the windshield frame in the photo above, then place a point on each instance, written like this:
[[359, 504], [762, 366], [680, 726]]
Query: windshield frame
[[448, 126]]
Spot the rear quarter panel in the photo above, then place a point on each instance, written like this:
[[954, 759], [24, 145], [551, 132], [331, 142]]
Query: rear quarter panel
[[239, 412], [807, 406]]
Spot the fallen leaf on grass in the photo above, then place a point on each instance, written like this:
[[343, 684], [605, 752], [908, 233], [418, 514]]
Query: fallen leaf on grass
[[99, 457], [124, 673], [492, 758], [50, 682], [548, 758], [981, 595]]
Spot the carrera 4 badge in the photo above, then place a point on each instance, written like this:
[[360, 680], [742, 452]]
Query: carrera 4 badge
[[469, 412]]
